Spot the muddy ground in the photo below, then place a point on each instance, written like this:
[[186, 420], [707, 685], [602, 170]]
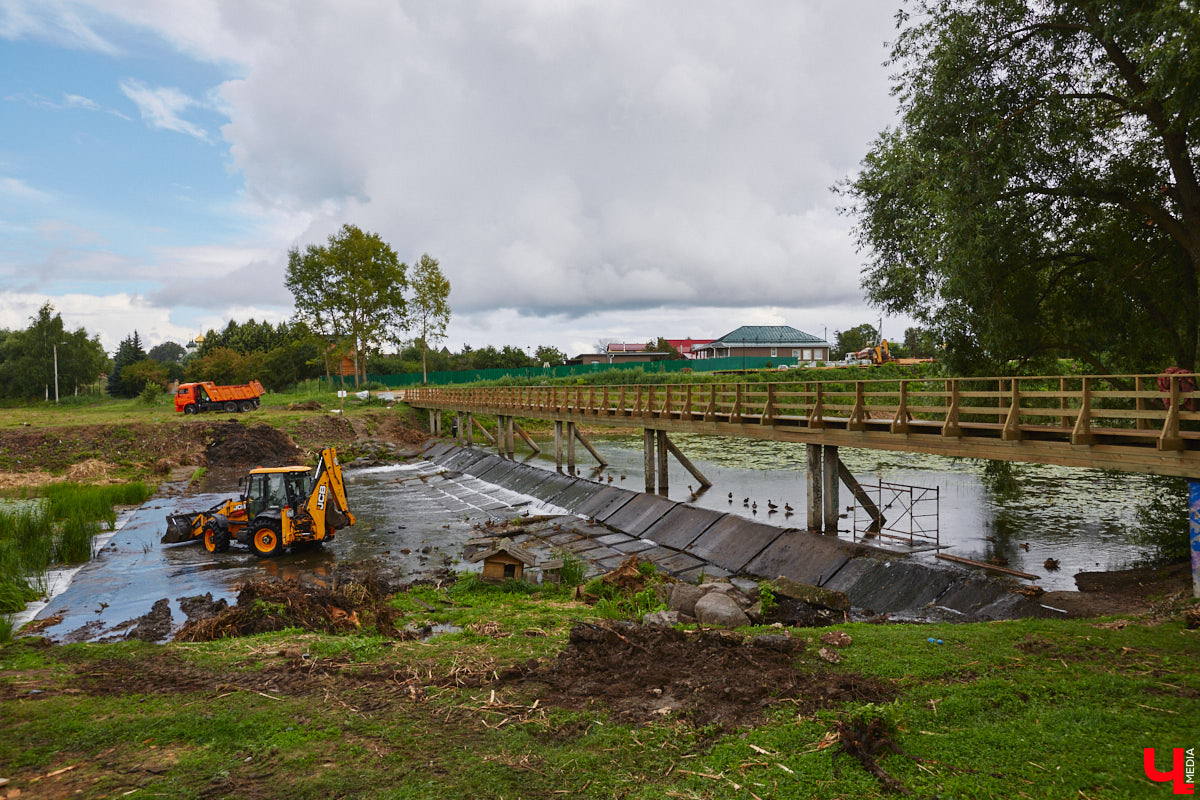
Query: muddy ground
[[637, 674], [33, 456], [640, 673]]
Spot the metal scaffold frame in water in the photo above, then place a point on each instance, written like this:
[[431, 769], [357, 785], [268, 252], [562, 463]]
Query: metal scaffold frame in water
[[911, 515]]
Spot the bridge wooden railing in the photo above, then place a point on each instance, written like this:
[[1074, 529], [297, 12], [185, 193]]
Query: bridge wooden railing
[[1118, 409]]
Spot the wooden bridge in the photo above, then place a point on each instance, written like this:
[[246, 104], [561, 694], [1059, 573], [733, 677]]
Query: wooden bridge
[[1129, 423], [1114, 422]]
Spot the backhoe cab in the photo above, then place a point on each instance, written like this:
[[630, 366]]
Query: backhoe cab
[[282, 507]]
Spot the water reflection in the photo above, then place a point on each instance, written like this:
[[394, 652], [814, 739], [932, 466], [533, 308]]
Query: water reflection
[[1010, 513]]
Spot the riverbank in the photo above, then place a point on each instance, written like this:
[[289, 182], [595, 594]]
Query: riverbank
[[142, 444], [531, 697]]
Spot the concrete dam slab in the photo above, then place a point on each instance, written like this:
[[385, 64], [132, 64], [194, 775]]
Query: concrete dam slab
[[605, 501], [692, 542], [682, 525], [879, 586], [636, 516], [801, 556], [497, 472], [732, 542]]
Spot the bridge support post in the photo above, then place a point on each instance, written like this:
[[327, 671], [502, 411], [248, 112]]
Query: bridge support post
[[661, 436], [864, 499], [510, 446], [588, 446], [829, 488], [814, 486], [571, 433], [486, 433], [432, 422], [500, 434], [648, 456], [558, 445], [468, 429], [532, 444], [705, 483]]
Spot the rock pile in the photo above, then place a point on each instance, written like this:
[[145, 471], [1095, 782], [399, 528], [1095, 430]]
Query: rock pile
[[722, 604]]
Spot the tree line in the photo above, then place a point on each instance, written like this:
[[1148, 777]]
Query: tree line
[[1040, 196]]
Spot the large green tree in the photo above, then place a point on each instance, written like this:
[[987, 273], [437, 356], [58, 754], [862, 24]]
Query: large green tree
[[430, 306], [27, 358], [129, 352], [1039, 197], [350, 289]]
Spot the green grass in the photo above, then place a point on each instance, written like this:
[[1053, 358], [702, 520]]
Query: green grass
[[53, 524], [1033, 708]]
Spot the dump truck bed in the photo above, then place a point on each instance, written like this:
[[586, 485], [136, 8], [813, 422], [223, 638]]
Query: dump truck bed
[[244, 391]]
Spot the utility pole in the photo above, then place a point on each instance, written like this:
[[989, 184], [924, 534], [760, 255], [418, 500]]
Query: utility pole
[[56, 373]]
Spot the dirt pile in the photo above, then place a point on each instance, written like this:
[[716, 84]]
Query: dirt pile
[[29, 450], [643, 673], [233, 444], [264, 606]]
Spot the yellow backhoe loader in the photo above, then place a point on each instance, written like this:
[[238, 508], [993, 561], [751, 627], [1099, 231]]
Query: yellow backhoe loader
[[282, 507]]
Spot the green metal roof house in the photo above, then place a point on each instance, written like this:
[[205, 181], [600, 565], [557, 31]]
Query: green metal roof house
[[770, 341]]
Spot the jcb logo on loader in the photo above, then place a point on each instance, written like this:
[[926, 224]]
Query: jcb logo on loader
[[321, 491]]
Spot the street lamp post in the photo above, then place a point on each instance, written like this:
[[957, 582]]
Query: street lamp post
[[56, 373]]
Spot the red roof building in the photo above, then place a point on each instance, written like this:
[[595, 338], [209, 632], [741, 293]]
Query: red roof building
[[684, 346]]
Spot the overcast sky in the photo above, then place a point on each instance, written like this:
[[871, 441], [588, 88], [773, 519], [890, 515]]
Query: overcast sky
[[582, 170]]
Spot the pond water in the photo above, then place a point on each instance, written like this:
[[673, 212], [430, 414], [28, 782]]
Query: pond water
[[1083, 518]]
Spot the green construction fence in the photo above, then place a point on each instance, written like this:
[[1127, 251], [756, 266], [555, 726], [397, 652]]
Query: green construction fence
[[733, 363]]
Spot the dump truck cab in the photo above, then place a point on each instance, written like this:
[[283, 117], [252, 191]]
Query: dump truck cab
[[281, 507]]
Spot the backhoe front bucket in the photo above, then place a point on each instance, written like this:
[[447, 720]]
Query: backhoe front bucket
[[180, 528]]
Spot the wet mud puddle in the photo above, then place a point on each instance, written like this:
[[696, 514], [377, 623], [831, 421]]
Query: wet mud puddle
[[413, 520]]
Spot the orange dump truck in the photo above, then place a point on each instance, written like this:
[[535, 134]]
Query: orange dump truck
[[192, 398]]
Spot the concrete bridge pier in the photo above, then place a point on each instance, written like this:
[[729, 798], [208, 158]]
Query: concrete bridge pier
[[657, 445], [648, 448], [504, 436], [571, 433], [825, 472], [558, 445]]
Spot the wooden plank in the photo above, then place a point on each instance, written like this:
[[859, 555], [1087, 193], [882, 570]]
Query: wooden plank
[[686, 462], [486, 433], [984, 565], [588, 446], [521, 432], [860, 495]]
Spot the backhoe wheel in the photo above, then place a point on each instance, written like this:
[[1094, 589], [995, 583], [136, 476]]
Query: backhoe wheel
[[265, 539], [231, 407], [247, 405], [215, 541], [190, 408]]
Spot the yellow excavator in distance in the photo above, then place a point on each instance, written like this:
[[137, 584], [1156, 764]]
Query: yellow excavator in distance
[[879, 354], [282, 507]]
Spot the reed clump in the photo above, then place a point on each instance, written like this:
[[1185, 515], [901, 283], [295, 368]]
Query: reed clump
[[54, 524]]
